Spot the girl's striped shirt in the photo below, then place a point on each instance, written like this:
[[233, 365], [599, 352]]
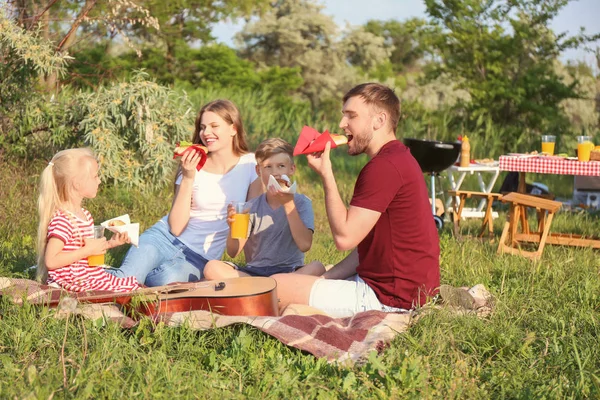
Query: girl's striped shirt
[[78, 277]]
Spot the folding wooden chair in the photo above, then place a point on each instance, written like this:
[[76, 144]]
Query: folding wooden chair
[[518, 214], [463, 195]]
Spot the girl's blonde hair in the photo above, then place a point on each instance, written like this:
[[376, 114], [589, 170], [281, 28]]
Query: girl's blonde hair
[[56, 192]]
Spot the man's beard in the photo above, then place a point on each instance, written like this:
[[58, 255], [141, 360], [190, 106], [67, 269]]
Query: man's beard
[[359, 144]]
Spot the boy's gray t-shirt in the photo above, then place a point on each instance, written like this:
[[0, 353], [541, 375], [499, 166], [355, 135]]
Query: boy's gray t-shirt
[[270, 243]]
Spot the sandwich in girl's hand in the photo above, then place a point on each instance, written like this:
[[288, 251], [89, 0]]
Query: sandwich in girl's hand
[[183, 147], [122, 224], [116, 222]]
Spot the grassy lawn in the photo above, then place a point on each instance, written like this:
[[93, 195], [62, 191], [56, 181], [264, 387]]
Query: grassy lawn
[[540, 342]]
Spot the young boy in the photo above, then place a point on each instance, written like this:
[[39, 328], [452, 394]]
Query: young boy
[[281, 224]]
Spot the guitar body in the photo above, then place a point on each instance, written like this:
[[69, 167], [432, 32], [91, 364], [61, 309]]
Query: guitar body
[[254, 296], [251, 296]]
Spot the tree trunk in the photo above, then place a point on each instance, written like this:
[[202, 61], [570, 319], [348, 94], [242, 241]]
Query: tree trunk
[[51, 81]]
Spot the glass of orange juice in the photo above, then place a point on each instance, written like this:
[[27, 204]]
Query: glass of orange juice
[[548, 142], [584, 147], [97, 259], [241, 220]]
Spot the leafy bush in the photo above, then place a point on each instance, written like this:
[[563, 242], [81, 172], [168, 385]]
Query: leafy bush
[[208, 66], [133, 126]]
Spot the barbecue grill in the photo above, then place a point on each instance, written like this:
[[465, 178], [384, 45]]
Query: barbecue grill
[[433, 157]]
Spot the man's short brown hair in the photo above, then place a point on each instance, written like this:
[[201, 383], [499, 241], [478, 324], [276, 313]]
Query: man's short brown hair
[[270, 147], [379, 96]]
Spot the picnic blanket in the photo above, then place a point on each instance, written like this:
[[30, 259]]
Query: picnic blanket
[[336, 339]]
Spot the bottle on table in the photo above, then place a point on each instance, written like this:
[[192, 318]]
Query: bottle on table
[[465, 152]]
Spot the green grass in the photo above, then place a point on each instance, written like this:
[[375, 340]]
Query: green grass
[[540, 342]]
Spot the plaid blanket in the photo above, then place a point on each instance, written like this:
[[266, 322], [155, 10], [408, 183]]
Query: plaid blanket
[[336, 339]]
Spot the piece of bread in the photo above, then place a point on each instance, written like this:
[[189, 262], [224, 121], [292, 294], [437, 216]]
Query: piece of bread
[[339, 139], [283, 183], [183, 146], [116, 222]]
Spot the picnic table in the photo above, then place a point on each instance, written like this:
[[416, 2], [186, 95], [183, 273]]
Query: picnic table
[[546, 208], [546, 165]]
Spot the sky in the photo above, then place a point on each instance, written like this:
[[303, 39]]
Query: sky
[[576, 14]]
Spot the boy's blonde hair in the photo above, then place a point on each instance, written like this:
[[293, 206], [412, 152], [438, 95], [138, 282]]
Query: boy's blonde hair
[[270, 147], [56, 192]]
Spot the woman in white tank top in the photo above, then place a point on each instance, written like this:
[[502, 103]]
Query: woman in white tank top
[[177, 247]]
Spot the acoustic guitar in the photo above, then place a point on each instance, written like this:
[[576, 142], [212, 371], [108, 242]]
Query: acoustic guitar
[[251, 296]]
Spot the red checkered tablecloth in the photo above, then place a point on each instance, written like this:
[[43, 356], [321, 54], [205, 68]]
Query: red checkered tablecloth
[[549, 165]]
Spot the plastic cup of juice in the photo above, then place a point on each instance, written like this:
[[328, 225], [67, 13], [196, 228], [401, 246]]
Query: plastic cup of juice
[[97, 259], [241, 220], [584, 147], [548, 142]]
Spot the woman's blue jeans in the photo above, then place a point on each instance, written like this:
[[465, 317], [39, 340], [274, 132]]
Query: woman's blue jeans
[[161, 259]]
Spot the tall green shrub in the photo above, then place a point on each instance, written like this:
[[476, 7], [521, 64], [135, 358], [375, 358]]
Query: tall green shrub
[[133, 127]]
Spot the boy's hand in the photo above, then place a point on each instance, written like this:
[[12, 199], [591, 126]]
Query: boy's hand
[[282, 198], [230, 214], [118, 238], [95, 246]]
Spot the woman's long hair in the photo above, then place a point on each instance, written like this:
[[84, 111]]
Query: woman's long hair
[[56, 192], [230, 114]]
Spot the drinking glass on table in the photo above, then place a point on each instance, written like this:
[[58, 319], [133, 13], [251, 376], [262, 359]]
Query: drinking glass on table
[[97, 259], [548, 142], [584, 147], [241, 220]]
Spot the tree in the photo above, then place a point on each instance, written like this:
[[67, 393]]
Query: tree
[[76, 25], [23, 56], [503, 53], [190, 21], [404, 39], [60, 22], [295, 33]]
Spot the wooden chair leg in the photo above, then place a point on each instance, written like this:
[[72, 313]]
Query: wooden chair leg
[[457, 213], [487, 219], [524, 223], [502, 244], [514, 220], [545, 234], [541, 215]]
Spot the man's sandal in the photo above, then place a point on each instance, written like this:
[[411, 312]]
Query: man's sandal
[[457, 297]]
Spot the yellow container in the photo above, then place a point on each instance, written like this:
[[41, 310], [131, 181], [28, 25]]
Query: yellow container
[[239, 227], [465, 152], [96, 260], [548, 142], [548, 148], [584, 147]]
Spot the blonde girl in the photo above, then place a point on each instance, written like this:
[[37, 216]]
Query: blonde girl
[[65, 233], [177, 247]]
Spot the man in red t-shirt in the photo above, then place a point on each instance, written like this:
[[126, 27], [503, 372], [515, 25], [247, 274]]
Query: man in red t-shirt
[[395, 262]]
